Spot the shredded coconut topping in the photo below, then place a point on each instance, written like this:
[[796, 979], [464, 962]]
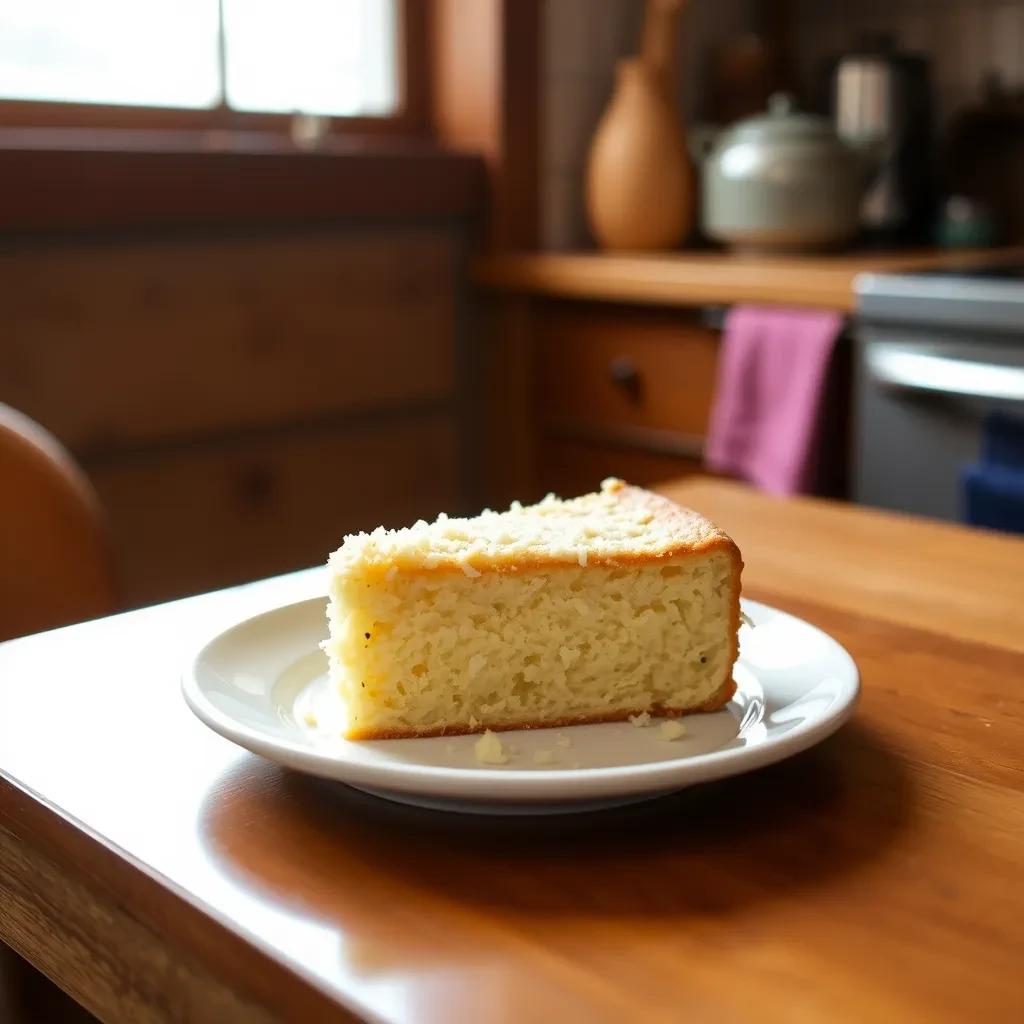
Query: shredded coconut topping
[[552, 532]]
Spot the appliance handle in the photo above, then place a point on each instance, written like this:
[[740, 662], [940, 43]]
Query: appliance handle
[[910, 369]]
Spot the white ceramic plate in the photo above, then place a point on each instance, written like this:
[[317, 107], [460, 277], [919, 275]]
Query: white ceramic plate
[[256, 682]]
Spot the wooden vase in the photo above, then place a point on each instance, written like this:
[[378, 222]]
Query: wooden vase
[[640, 181]]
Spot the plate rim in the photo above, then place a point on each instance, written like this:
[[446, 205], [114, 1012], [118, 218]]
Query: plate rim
[[515, 785]]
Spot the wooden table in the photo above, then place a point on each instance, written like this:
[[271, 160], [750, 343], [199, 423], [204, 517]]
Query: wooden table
[[158, 873]]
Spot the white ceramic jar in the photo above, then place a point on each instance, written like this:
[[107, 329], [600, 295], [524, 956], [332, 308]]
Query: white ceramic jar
[[783, 181]]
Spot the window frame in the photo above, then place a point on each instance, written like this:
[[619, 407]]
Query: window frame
[[410, 119], [465, 144]]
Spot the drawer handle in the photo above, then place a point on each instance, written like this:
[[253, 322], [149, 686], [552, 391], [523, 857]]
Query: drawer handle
[[920, 370], [626, 377]]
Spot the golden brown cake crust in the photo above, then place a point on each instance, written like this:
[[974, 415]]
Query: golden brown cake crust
[[715, 703], [692, 533], [685, 532]]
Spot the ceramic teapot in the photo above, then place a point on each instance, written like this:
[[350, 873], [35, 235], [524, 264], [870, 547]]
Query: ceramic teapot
[[784, 181]]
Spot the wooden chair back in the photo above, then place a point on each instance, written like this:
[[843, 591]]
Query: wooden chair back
[[56, 563]]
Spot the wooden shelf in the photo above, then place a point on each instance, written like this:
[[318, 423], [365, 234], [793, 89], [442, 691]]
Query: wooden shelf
[[708, 278]]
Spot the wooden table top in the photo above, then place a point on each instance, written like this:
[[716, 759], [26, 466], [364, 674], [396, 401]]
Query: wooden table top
[[158, 872]]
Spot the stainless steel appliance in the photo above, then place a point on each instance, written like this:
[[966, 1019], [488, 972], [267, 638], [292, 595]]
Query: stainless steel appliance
[[883, 97], [935, 352]]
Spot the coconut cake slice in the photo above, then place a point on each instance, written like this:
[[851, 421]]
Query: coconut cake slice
[[593, 609]]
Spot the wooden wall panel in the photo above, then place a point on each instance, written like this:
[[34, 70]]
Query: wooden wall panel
[[240, 402], [509, 468], [486, 100], [125, 342], [199, 518]]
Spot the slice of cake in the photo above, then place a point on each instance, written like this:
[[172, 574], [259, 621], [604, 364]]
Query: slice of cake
[[565, 612]]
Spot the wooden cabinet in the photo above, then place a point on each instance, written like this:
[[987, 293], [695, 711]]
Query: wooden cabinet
[[187, 520], [241, 402], [130, 342], [619, 390], [575, 467], [602, 362], [625, 371]]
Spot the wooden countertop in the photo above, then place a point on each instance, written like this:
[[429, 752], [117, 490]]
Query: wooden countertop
[[709, 278], [160, 873]]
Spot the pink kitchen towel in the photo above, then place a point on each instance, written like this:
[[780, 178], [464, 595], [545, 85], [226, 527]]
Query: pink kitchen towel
[[772, 377]]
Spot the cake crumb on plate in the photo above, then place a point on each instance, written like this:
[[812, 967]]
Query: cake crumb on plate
[[488, 749], [640, 721], [671, 730]]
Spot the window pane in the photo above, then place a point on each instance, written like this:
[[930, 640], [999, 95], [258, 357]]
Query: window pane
[[155, 53], [335, 57]]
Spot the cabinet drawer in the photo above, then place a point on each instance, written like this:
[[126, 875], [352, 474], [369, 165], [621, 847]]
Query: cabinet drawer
[[124, 342], [630, 369], [197, 519], [575, 467]]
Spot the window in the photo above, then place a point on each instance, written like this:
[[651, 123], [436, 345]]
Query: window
[[328, 57]]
